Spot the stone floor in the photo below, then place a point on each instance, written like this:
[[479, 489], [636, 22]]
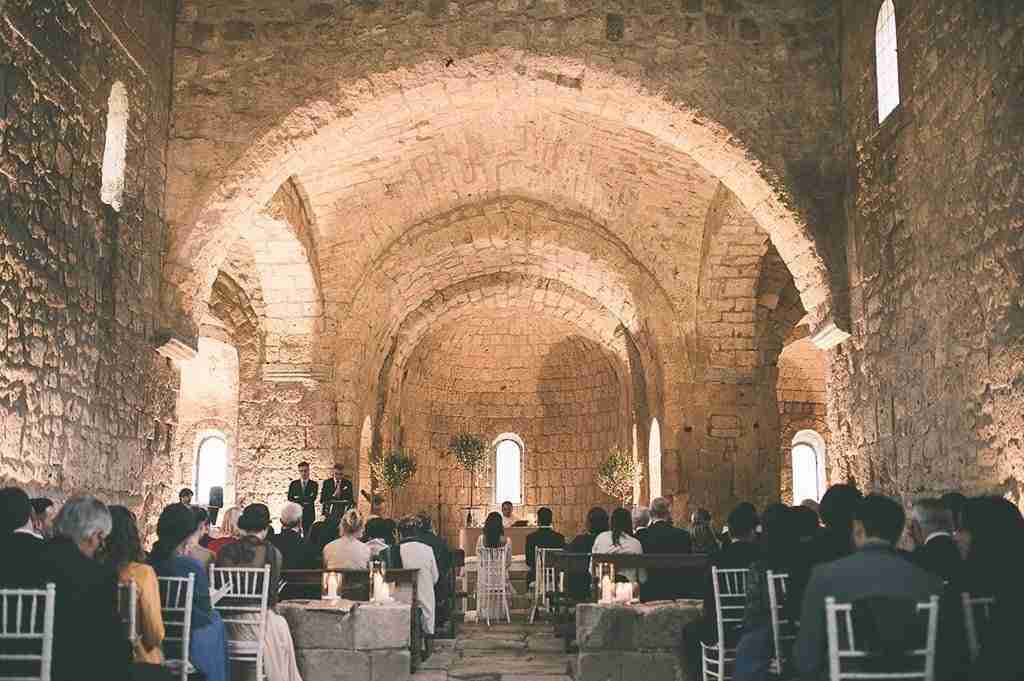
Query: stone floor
[[501, 652]]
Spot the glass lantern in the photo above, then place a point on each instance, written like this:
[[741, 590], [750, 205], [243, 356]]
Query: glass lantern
[[378, 587], [605, 574], [330, 586]]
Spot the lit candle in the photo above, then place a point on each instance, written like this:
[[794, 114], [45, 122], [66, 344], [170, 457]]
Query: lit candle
[[561, 583], [606, 589], [623, 592], [379, 587]]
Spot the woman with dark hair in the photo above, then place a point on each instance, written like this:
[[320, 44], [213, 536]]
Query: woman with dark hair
[[176, 530], [991, 539], [124, 554], [704, 539], [493, 537], [620, 539], [837, 509], [577, 582]]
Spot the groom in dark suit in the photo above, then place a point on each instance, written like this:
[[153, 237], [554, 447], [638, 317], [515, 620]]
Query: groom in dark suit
[[931, 526], [337, 490], [303, 492]]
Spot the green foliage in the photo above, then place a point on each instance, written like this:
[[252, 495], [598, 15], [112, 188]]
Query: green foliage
[[617, 475], [469, 451], [393, 471]]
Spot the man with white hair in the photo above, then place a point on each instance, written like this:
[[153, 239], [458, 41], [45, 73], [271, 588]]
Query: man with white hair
[[297, 553], [662, 537], [931, 526], [87, 640], [641, 520]]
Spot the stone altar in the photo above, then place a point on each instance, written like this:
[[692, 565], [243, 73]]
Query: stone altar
[[346, 640], [619, 642]]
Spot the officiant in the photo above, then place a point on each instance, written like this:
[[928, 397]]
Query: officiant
[[337, 490]]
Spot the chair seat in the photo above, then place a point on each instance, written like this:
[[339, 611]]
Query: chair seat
[[243, 648]]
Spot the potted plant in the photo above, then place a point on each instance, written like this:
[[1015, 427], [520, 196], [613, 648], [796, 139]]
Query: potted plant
[[393, 472], [470, 453], [617, 475]]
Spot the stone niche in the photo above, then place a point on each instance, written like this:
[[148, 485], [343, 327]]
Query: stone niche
[[626, 642]]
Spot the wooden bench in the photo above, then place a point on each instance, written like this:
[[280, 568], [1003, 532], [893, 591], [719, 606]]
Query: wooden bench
[[355, 586]]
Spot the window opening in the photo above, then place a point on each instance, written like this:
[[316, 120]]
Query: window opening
[[654, 459], [211, 467], [887, 72], [508, 461], [114, 151]]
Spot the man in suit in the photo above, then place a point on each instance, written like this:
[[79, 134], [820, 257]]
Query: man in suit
[[661, 537], [931, 526], [303, 492], [297, 553], [545, 538], [641, 521], [20, 544], [337, 490], [875, 569], [443, 558], [185, 496], [43, 513]]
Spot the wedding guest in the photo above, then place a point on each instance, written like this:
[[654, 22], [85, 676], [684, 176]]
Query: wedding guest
[[347, 551], [252, 550], [185, 496], [296, 553], [620, 540], [377, 536], [543, 537], [43, 513], [838, 507], [323, 532], [176, 530], [703, 536], [20, 543], [577, 582], [228, 533], [124, 553], [931, 526], [196, 549], [443, 558], [411, 553], [641, 520], [493, 537], [663, 537]]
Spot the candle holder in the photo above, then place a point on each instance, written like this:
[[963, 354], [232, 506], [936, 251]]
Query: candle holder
[[605, 573], [330, 585], [378, 587]]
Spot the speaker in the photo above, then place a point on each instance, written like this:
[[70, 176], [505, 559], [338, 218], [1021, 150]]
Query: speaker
[[216, 497]]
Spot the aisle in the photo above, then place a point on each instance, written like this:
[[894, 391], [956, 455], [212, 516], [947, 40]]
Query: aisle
[[501, 652]]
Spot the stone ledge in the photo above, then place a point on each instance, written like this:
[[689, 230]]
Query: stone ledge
[[345, 625]]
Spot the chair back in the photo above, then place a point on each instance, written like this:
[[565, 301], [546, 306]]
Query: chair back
[[850, 660], [492, 573], [244, 611], [176, 595], [27, 617], [730, 587], [783, 628], [128, 609], [976, 613]]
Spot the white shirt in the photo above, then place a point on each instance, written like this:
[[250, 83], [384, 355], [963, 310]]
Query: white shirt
[[30, 531], [940, 533], [627, 544], [417, 555], [508, 521]]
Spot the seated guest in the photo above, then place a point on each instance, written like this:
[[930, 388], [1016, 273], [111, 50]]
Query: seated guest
[[545, 538], [443, 557], [955, 502], [493, 537], [991, 539], [412, 554], [577, 583], [43, 513], [324, 531], [296, 553], [641, 519], [507, 519], [347, 551], [88, 641], [663, 537], [619, 540], [196, 550], [812, 505], [744, 507], [176, 530], [377, 537], [875, 569], [252, 550], [837, 510], [702, 536], [20, 544], [228, 533], [125, 555], [931, 526]]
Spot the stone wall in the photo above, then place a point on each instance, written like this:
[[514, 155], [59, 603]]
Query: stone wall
[[86, 404], [927, 395], [534, 377], [802, 403]]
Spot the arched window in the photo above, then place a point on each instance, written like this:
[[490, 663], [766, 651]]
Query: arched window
[[808, 455], [112, 191], [654, 459], [508, 469], [887, 72], [211, 467]]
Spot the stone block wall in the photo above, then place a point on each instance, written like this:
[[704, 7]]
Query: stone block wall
[[86, 404], [927, 395], [802, 404], [536, 378]]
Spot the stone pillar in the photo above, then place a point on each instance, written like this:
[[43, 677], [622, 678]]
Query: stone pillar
[[347, 641], [626, 642]]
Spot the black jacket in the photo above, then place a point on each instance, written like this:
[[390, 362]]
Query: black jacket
[[88, 642], [939, 556], [307, 500], [329, 494], [296, 553], [20, 556], [663, 537], [544, 538]]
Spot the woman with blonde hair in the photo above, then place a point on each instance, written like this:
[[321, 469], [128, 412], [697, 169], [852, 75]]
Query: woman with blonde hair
[[228, 530], [347, 552]]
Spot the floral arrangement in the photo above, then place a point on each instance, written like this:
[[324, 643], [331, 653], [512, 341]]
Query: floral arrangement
[[393, 472], [617, 475]]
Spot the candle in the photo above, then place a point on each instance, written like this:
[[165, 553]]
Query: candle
[[330, 585], [379, 587], [606, 589], [561, 583], [623, 592]]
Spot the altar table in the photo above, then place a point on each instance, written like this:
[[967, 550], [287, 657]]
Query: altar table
[[516, 535]]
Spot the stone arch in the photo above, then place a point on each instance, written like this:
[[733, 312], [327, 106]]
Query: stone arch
[[400, 98]]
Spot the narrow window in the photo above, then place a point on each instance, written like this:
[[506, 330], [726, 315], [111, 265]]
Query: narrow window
[[508, 461], [654, 459], [112, 191], [211, 467], [887, 70], [808, 456]]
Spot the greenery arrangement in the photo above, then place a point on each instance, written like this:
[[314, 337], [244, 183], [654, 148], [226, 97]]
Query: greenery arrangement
[[470, 453], [393, 472], [617, 475]]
